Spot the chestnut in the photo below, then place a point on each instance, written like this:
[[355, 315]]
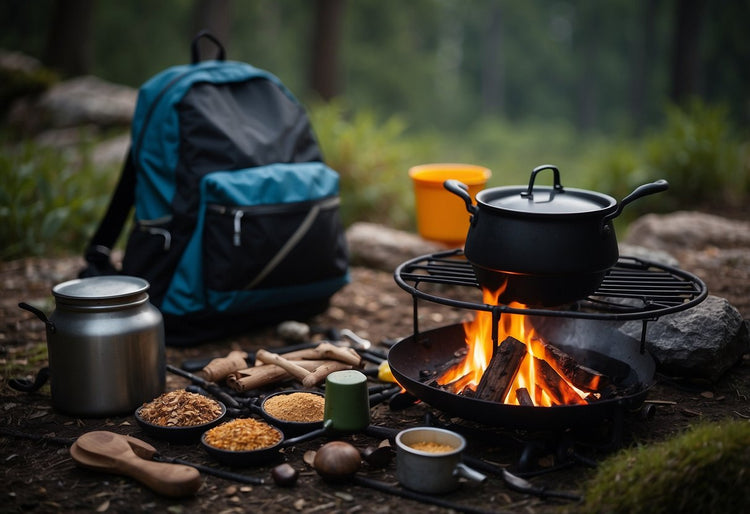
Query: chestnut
[[337, 460]]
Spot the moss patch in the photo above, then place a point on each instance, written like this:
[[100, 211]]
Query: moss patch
[[703, 470]]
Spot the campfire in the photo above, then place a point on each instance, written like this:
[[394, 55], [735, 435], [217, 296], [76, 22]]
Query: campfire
[[530, 366], [523, 369]]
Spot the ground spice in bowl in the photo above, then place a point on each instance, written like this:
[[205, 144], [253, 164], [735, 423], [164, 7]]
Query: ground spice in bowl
[[298, 407], [242, 434], [432, 447], [180, 408]]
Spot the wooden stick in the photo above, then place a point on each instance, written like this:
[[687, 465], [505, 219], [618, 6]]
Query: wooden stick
[[259, 376], [502, 370], [218, 369], [347, 355], [322, 351], [321, 372], [295, 370]]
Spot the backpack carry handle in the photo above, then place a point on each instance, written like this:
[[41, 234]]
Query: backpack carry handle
[[195, 53]]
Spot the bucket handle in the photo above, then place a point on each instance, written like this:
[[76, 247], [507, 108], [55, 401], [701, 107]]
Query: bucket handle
[[39, 314]]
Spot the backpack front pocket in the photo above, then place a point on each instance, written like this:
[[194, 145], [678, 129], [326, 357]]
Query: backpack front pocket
[[266, 237], [271, 246]]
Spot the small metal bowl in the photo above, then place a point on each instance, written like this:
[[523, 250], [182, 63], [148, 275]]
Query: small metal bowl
[[244, 458], [178, 434], [290, 428]]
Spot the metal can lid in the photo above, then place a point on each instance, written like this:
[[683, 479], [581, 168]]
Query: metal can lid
[[103, 287]]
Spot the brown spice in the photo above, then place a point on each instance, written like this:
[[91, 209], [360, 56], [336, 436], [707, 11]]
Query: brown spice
[[180, 409], [243, 434], [300, 407], [432, 447]]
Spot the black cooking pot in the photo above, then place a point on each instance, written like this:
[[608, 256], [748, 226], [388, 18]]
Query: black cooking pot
[[543, 246]]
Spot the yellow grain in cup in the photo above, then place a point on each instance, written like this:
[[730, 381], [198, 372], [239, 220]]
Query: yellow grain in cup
[[441, 215]]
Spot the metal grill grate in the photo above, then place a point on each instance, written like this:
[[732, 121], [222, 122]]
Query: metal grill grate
[[632, 289]]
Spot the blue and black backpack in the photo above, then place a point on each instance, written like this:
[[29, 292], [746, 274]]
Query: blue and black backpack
[[236, 215]]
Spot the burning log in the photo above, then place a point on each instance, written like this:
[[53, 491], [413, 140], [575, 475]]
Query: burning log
[[559, 391], [218, 369], [523, 397], [501, 371], [577, 374]]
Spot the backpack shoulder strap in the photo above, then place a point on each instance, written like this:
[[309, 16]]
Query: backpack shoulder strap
[[97, 254]]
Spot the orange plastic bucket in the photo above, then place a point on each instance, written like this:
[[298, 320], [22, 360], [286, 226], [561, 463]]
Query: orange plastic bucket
[[441, 215]]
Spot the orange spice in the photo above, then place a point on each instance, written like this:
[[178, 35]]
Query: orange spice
[[243, 434], [300, 407], [432, 447]]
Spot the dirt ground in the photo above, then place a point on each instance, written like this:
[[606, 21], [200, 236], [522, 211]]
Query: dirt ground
[[38, 474]]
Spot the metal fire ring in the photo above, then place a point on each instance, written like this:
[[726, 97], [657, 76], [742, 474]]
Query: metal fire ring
[[633, 289]]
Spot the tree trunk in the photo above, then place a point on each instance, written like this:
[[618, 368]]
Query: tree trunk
[[685, 49], [69, 42], [587, 86], [493, 71], [326, 39], [641, 65]]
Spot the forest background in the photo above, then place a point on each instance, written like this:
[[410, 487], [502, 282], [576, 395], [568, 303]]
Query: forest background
[[616, 93]]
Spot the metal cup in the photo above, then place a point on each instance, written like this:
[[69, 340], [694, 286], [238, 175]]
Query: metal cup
[[347, 403], [432, 472]]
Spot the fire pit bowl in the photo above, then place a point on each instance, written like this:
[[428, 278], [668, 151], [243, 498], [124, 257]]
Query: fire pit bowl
[[414, 359]]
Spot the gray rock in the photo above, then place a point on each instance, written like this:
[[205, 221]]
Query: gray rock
[[701, 342], [79, 101], [648, 254], [687, 230], [379, 247]]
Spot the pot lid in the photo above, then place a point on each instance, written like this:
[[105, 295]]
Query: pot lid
[[110, 286], [546, 200]]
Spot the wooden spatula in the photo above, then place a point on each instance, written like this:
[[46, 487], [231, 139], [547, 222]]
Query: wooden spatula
[[114, 453]]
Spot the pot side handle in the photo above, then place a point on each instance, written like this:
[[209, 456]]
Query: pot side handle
[[461, 190], [462, 470], [40, 315], [639, 192]]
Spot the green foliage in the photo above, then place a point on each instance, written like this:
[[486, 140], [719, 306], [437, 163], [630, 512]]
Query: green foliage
[[512, 150], [696, 151], [699, 156], [51, 200], [372, 159], [702, 470]]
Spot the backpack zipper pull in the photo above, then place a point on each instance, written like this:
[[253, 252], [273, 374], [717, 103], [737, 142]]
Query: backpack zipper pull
[[237, 227]]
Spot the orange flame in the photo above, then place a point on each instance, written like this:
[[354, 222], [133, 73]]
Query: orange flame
[[545, 387]]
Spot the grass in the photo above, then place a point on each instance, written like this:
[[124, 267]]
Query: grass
[[703, 470]]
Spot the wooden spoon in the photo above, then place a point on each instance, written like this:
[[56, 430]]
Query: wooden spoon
[[113, 453]]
